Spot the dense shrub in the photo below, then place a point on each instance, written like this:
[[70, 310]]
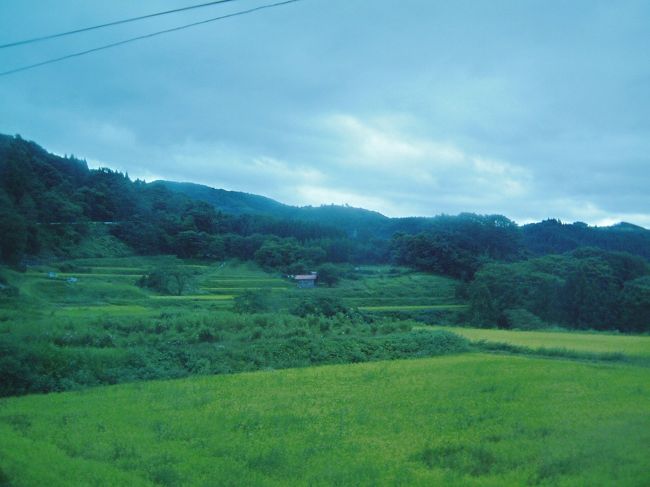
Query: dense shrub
[[254, 302], [319, 305], [63, 356], [588, 289], [172, 280]]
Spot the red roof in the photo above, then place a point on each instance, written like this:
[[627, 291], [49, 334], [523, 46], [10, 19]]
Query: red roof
[[305, 277]]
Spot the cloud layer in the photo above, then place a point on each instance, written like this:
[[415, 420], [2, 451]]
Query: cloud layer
[[528, 109]]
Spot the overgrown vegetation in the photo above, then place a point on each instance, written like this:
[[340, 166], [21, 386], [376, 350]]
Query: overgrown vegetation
[[585, 289], [57, 354]]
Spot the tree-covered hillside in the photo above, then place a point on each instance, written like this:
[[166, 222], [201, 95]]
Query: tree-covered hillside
[[49, 203], [531, 276]]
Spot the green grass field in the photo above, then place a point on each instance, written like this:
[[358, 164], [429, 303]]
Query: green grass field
[[574, 341], [472, 419]]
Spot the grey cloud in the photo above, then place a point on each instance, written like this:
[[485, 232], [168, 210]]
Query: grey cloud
[[528, 109]]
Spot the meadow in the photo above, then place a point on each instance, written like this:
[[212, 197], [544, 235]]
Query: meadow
[[469, 419]]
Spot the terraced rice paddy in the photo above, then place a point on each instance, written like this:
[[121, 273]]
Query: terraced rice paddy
[[98, 286]]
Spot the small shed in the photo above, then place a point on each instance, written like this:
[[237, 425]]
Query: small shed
[[306, 280]]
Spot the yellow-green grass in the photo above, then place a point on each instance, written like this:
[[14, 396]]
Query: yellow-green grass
[[412, 308], [99, 310], [577, 341], [477, 420], [244, 285], [109, 275], [88, 291], [195, 297], [244, 280], [99, 270], [243, 288], [389, 301]]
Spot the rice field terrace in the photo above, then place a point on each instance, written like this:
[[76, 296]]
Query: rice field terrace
[[99, 286]]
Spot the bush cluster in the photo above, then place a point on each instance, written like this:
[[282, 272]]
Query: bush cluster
[[61, 355]]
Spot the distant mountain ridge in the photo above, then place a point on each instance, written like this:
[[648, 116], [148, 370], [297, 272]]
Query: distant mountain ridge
[[345, 217], [233, 202], [546, 236]]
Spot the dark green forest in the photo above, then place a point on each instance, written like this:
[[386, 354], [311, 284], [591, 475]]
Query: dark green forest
[[533, 275]]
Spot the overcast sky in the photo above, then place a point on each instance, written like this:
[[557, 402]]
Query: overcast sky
[[529, 109]]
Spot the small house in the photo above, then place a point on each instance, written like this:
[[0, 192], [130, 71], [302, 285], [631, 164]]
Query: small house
[[306, 280]]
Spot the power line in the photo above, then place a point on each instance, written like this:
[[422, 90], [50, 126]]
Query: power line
[[109, 24], [146, 36]]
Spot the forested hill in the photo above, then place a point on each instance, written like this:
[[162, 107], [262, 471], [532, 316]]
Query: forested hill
[[546, 237], [352, 220], [49, 204], [555, 237], [232, 202]]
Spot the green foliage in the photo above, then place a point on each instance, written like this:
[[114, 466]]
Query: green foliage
[[585, 289], [56, 206], [7, 291], [253, 302], [554, 237], [522, 319], [56, 354], [635, 304], [591, 295], [329, 274], [457, 246], [320, 305], [172, 280]]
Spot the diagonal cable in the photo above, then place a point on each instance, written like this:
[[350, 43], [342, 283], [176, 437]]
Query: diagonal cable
[[146, 36], [109, 24]]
